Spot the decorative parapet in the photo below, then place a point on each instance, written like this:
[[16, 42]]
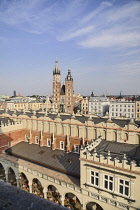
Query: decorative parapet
[[90, 146], [89, 154], [10, 126]]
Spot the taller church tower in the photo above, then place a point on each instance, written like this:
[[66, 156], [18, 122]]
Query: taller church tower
[[56, 86]]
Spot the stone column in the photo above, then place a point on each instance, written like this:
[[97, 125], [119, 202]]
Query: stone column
[[17, 178], [6, 175], [62, 200], [45, 192], [30, 186]]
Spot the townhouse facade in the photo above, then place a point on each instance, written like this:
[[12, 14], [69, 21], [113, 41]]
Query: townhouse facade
[[98, 106], [122, 109]]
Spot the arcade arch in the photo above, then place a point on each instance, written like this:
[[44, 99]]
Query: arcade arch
[[2, 173], [12, 177], [23, 182], [71, 201], [37, 188], [53, 194], [93, 206]]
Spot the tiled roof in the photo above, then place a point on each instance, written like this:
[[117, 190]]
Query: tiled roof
[[118, 149], [5, 120], [55, 159], [62, 92]]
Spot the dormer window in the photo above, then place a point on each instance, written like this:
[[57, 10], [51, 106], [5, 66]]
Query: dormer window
[[26, 138], [36, 139], [49, 142], [61, 145], [76, 148]]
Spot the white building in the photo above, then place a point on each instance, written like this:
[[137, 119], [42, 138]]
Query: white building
[[122, 109], [98, 106]]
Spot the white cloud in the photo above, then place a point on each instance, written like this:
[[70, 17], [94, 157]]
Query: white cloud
[[111, 39], [129, 68], [77, 33], [105, 25]]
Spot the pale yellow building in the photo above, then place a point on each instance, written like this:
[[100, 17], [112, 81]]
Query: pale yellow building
[[137, 108], [104, 175]]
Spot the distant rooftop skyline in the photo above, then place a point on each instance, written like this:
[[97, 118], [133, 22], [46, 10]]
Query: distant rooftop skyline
[[98, 40]]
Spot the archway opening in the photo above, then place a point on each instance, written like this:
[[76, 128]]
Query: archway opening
[[72, 202], [53, 194], [2, 173], [23, 182], [12, 177], [93, 206], [37, 188]]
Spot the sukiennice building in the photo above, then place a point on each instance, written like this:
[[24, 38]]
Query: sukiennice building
[[76, 161]]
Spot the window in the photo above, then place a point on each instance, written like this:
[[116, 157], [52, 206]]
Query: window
[[36, 140], [26, 138], [62, 145], [124, 187], [76, 148], [95, 178], [108, 182], [49, 142]]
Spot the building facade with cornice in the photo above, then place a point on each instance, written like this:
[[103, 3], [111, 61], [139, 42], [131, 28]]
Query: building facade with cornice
[[77, 161]]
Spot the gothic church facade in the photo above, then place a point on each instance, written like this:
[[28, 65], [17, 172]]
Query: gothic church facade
[[63, 96]]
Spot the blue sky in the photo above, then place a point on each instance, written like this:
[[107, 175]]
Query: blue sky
[[98, 40]]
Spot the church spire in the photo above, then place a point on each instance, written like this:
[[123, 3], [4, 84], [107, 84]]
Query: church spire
[[69, 77], [56, 69]]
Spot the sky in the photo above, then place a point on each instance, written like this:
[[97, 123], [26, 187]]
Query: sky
[[98, 40]]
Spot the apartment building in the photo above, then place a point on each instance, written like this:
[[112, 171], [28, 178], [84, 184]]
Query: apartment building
[[122, 109], [98, 106]]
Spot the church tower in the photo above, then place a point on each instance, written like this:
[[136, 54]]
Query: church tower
[[56, 86], [69, 93]]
